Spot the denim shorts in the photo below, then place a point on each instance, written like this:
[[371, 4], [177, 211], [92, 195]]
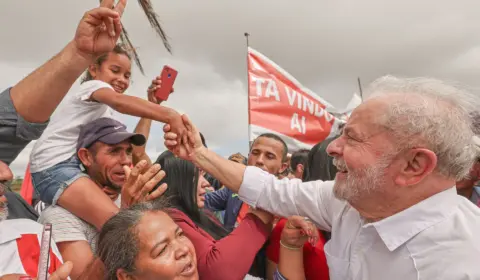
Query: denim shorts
[[50, 183]]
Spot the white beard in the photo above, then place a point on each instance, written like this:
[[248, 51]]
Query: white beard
[[360, 183]]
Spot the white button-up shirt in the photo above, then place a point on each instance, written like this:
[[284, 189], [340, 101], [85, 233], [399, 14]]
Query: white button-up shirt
[[438, 238]]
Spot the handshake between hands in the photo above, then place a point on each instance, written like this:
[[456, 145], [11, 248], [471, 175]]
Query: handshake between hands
[[183, 139]]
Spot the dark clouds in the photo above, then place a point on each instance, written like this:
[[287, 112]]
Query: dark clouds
[[324, 44]]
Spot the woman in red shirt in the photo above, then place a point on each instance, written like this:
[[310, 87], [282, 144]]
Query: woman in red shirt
[[220, 255]]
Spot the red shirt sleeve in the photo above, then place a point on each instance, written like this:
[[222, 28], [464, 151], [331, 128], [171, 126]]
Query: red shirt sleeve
[[273, 249], [230, 257]]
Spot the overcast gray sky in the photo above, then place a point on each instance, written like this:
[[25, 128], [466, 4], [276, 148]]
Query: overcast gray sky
[[324, 44]]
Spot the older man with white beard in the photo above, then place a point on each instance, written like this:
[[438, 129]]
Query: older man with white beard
[[393, 209]]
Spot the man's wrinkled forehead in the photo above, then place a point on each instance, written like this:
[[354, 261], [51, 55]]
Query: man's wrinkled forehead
[[368, 119]]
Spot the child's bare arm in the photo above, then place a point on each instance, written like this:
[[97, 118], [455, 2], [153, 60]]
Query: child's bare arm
[[134, 106]]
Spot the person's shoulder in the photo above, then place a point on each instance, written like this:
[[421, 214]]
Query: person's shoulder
[[455, 236], [55, 210], [180, 217], [66, 226], [54, 214], [89, 87]]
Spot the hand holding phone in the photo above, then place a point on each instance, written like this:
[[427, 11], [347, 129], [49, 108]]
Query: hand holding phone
[[168, 77]]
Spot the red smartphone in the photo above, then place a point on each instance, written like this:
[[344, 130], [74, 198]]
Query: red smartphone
[[168, 77]]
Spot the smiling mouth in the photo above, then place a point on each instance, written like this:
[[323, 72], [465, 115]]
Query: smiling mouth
[[341, 166], [189, 269], [119, 88]]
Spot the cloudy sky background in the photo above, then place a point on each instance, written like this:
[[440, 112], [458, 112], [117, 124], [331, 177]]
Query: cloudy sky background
[[324, 44]]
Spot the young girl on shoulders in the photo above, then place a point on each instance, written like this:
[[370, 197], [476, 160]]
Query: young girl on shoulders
[[56, 173]]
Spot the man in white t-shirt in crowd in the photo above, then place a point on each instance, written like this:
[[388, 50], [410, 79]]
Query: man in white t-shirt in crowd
[[393, 209], [105, 152]]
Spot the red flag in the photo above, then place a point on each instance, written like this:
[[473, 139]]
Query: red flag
[[27, 187], [278, 103]]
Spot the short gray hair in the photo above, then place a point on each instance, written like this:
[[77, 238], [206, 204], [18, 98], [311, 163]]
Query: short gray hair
[[430, 113]]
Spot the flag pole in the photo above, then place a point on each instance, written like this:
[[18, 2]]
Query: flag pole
[[360, 88], [247, 35]]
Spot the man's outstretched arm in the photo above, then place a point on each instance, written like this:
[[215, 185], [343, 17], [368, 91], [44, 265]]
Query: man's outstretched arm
[[37, 96], [258, 188]]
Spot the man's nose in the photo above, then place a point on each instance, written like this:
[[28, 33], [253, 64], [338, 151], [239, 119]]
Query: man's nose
[[126, 159], [181, 250], [260, 159], [335, 148]]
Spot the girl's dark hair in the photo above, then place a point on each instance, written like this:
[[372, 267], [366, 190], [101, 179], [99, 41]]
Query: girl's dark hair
[[118, 243], [182, 180], [118, 49], [319, 164]]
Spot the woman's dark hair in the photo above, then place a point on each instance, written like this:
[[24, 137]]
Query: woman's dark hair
[[118, 243], [182, 180], [299, 157], [118, 49], [319, 164]]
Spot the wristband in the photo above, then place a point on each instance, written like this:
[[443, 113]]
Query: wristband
[[290, 247]]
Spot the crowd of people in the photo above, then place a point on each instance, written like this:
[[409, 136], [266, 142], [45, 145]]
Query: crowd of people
[[393, 196]]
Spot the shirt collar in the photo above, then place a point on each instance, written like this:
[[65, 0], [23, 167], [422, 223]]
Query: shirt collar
[[9, 231], [401, 227]]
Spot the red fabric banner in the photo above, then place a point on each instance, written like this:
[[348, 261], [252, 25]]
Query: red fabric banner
[[278, 103]]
